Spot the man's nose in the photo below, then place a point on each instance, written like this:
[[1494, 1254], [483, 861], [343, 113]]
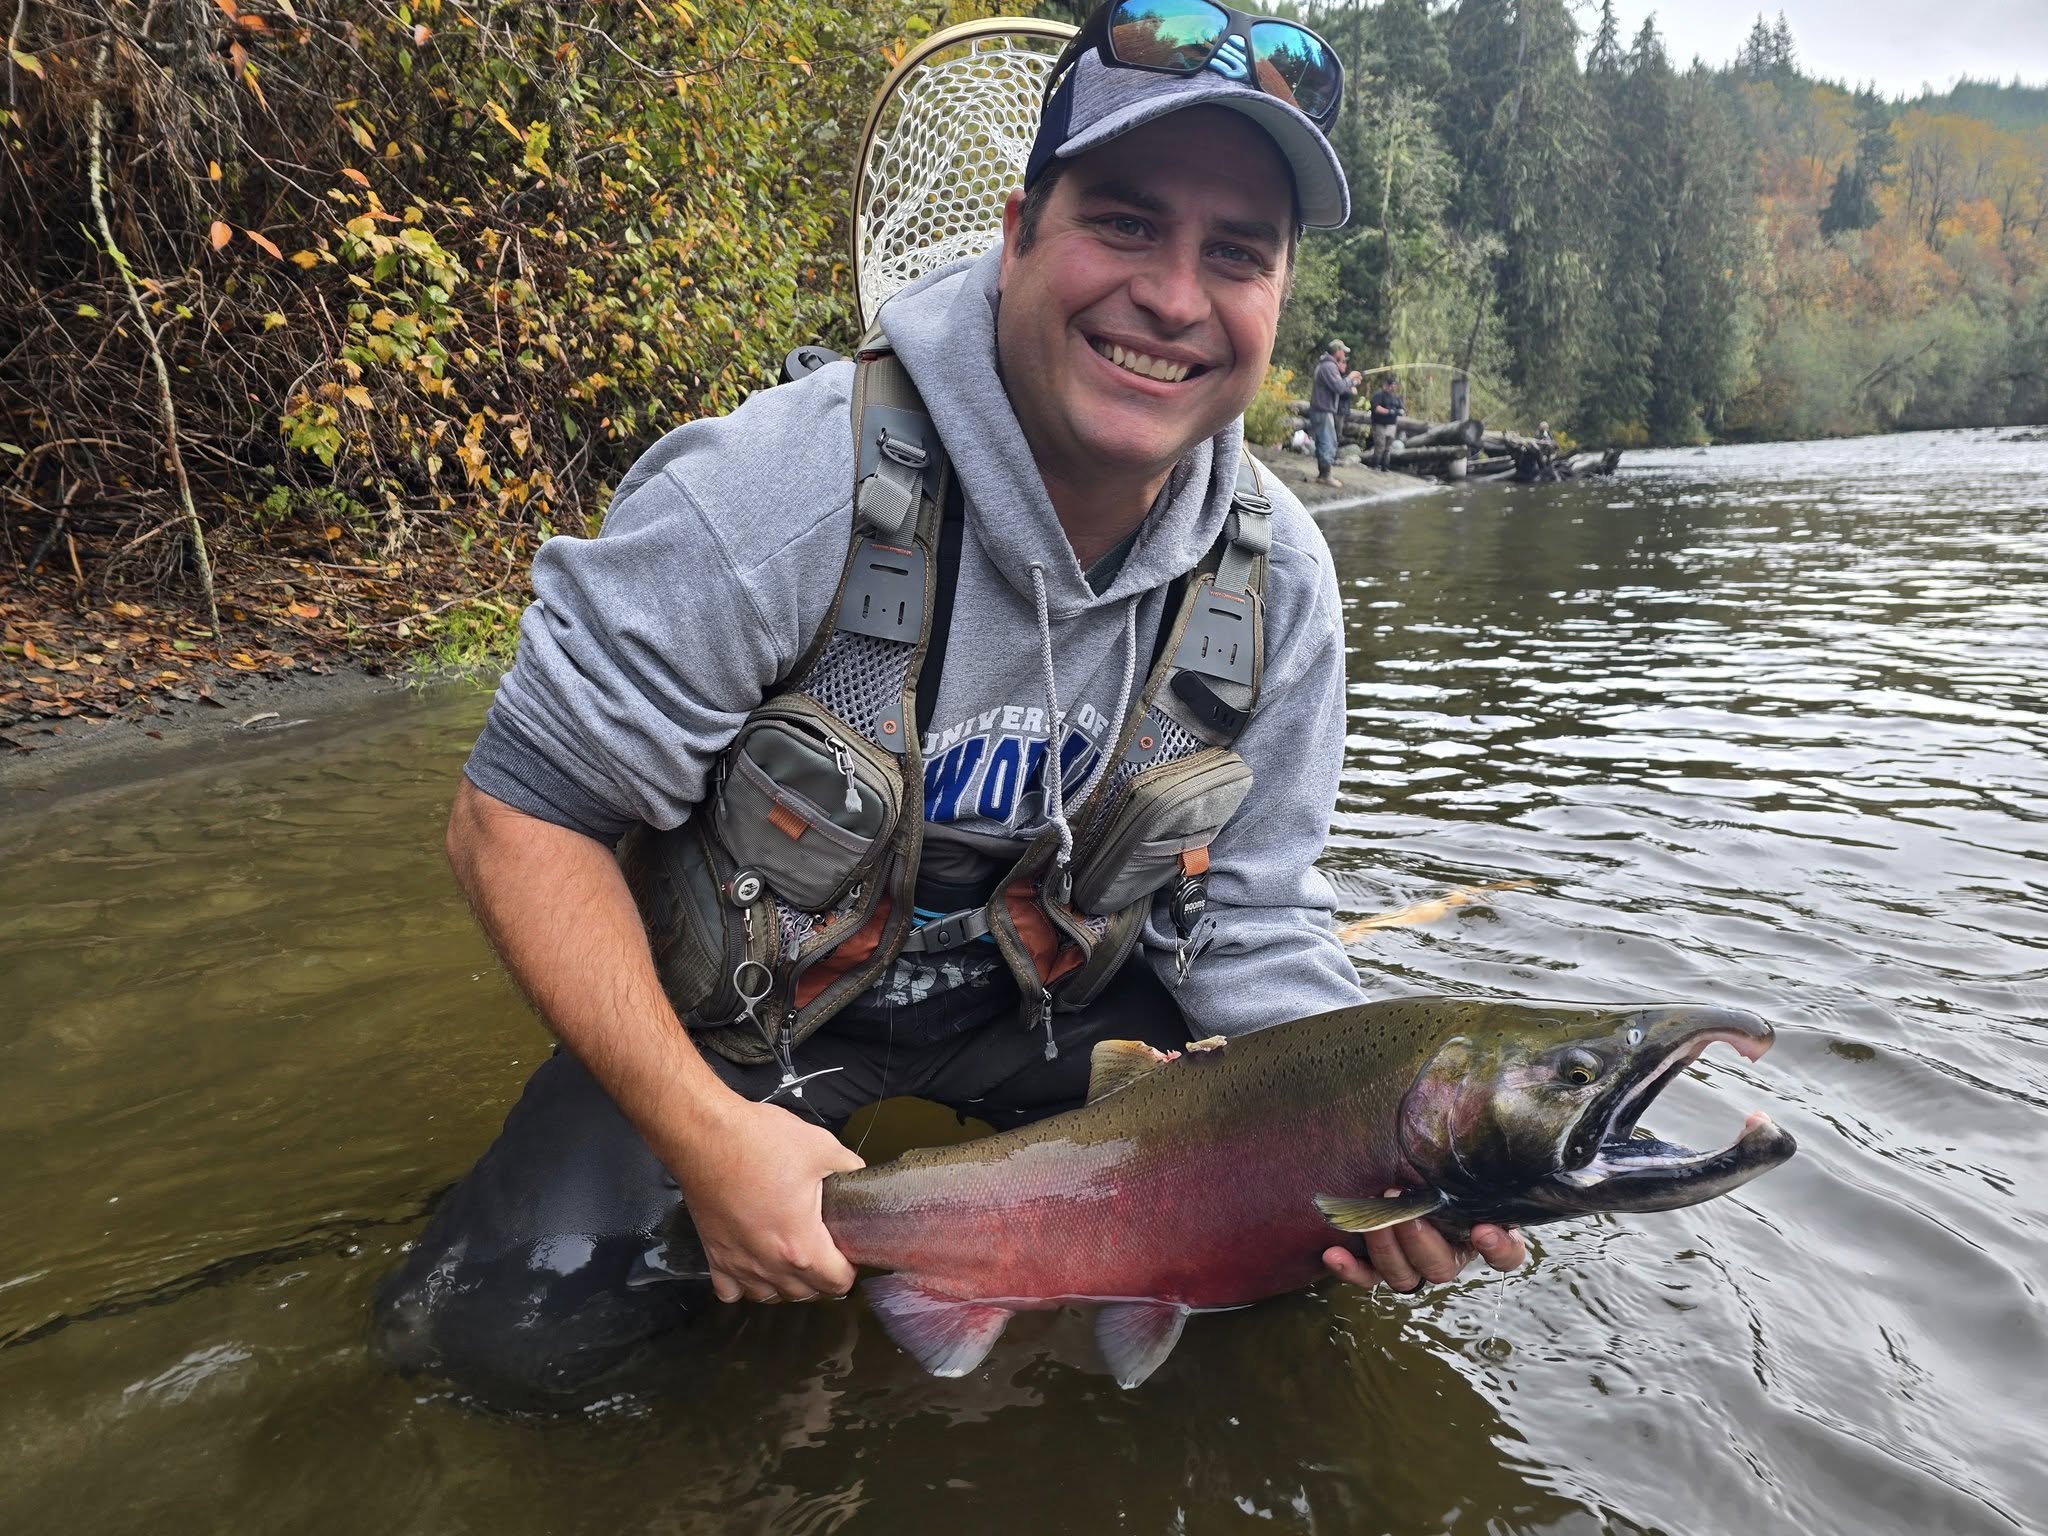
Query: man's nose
[[1170, 288]]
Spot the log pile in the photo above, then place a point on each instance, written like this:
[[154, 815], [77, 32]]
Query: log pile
[[1468, 450]]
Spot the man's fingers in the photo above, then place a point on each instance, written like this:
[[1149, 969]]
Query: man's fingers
[[1501, 1247], [1383, 1252], [1348, 1267], [1429, 1252]]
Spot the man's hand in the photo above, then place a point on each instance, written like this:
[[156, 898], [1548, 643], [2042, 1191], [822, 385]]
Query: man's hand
[[754, 1185], [558, 910], [1402, 1257]]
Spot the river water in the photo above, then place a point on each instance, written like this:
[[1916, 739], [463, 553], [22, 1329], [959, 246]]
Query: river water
[[1759, 727]]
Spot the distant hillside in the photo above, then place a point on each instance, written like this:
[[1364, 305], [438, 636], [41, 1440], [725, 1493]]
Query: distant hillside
[[2013, 108]]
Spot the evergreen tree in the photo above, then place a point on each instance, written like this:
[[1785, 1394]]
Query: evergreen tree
[[1753, 58], [1616, 403], [1784, 61], [1852, 204], [1605, 57], [1699, 347]]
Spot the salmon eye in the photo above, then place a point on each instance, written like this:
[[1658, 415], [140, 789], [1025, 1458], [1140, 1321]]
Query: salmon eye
[[1580, 1068]]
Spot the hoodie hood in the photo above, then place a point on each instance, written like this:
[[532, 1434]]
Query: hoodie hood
[[943, 327]]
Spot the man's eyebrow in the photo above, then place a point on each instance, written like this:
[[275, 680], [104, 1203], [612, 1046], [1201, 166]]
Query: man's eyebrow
[[1114, 191], [1255, 231]]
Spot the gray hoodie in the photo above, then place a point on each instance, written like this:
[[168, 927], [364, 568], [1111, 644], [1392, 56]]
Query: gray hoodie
[[646, 647]]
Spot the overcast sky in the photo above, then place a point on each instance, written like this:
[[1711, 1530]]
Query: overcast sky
[[1899, 44]]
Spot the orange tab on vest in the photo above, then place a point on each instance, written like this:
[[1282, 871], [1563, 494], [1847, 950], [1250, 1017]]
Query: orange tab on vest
[[856, 949], [1195, 861], [787, 822]]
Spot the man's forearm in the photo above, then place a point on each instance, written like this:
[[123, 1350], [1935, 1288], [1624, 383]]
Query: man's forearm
[[557, 910]]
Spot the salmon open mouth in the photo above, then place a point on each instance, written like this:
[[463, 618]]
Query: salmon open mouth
[[1626, 1168]]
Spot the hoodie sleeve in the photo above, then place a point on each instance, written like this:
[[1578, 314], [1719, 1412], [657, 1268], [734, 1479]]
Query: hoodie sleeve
[[645, 648], [1274, 956]]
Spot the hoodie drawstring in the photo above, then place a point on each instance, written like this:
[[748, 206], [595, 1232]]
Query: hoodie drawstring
[[1055, 800]]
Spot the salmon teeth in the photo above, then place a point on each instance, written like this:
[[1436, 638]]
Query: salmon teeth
[[1140, 363]]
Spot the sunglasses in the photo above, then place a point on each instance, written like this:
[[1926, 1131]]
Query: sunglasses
[[1185, 37]]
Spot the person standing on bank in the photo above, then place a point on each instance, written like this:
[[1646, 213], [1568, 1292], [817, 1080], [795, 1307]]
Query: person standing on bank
[[1329, 403], [1085, 382], [1387, 406]]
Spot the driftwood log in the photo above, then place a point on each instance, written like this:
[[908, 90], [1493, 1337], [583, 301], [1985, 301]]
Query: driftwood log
[[1468, 448]]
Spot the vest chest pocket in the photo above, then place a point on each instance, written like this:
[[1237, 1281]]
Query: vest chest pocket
[[1161, 814], [806, 804]]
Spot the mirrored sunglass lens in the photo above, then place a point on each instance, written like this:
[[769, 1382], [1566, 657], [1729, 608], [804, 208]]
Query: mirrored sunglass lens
[[1166, 34], [1295, 65]]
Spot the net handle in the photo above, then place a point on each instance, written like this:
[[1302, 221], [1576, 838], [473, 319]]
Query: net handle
[[950, 37]]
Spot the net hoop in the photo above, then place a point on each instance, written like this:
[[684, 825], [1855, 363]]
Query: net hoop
[[944, 145]]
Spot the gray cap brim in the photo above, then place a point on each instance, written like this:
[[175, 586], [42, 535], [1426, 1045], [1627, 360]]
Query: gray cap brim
[[1111, 102]]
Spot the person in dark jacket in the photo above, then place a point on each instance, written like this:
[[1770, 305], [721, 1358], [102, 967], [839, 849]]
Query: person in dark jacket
[[1329, 401], [1387, 406]]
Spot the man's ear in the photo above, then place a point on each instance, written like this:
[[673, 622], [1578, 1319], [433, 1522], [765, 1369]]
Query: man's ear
[[1013, 220]]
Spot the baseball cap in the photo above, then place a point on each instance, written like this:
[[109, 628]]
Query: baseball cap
[[1099, 102]]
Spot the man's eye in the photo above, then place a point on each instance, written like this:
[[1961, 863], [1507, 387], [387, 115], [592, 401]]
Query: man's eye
[[1240, 256], [1124, 224]]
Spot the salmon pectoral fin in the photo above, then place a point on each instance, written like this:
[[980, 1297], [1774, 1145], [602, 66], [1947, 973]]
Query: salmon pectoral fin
[[1115, 1064], [945, 1335], [1366, 1215], [1137, 1336]]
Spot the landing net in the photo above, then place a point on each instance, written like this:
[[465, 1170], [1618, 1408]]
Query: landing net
[[945, 145]]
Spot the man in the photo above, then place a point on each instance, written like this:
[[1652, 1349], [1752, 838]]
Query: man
[[1087, 379], [1329, 403], [1387, 407]]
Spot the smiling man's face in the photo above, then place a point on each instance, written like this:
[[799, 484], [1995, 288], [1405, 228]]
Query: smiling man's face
[[1141, 319]]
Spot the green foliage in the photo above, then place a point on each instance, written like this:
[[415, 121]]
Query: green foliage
[[458, 259], [1266, 419]]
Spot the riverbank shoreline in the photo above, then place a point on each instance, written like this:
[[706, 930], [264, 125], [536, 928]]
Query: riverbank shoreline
[[175, 689]]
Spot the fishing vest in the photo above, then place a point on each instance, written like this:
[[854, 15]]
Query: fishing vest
[[792, 890]]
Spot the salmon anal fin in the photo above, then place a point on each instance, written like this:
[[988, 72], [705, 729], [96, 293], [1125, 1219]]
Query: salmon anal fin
[[945, 1335], [1367, 1215], [1137, 1336], [1115, 1064]]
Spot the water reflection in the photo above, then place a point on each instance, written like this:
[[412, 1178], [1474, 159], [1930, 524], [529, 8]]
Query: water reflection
[[1760, 728]]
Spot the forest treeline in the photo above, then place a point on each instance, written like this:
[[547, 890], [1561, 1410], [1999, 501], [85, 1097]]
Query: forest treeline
[[1649, 251], [408, 285]]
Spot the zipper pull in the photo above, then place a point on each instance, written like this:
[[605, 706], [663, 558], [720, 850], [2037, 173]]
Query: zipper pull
[[844, 759], [1052, 1050]]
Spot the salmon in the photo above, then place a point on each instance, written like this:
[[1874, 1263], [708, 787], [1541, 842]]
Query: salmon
[[1217, 1177]]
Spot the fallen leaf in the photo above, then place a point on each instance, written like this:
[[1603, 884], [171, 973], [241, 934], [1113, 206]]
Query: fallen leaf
[[355, 175], [305, 261], [264, 244], [304, 610], [331, 532], [213, 170], [28, 651], [219, 234]]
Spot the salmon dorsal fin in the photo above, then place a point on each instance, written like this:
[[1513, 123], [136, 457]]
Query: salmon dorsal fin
[[1369, 1215], [1137, 1336], [945, 1335], [1115, 1064]]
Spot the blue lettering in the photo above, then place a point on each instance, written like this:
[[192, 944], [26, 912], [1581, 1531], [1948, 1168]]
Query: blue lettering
[[1000, 784], [946, 777]]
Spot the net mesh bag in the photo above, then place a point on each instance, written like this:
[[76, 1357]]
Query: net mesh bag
[[946, 149]]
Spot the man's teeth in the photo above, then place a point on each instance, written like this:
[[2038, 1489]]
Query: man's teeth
[[1137, 362]]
